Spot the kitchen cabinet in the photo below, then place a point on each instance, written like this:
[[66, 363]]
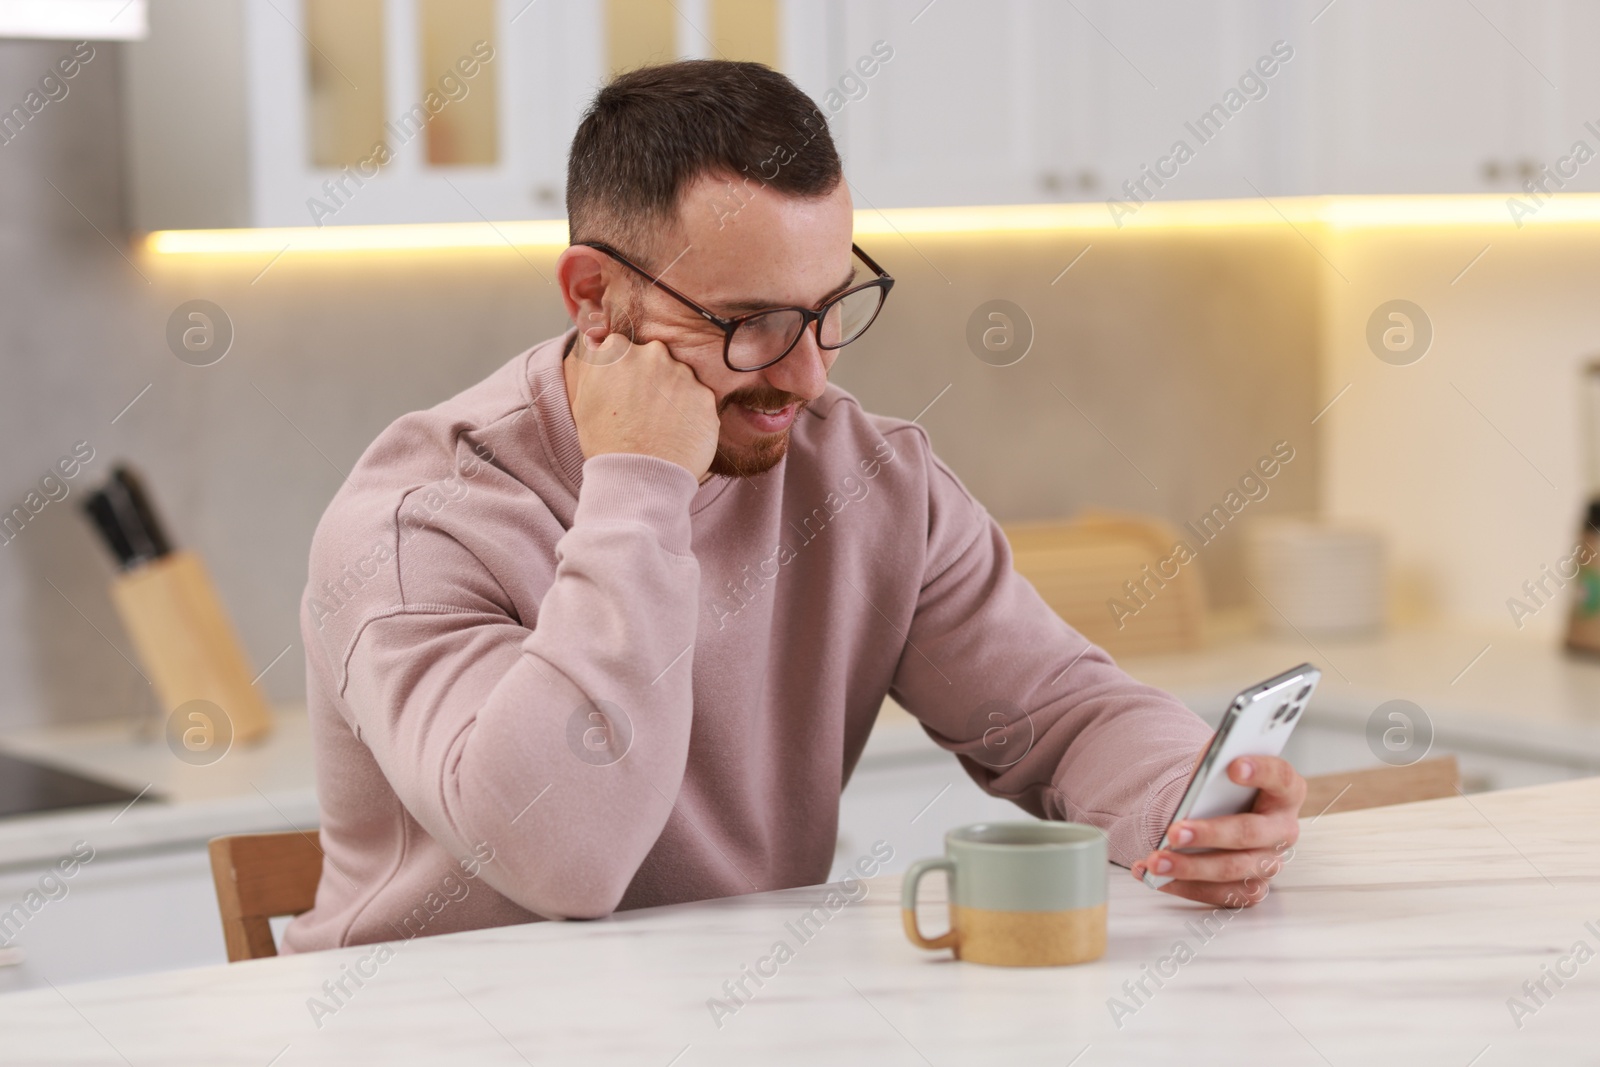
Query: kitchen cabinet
[[230, 102], [1031, 100], [1167, 100], [1568, 31], [225, 117], [935, 107], [118, 914], [1432, 96], [73, 20], [256, 113]]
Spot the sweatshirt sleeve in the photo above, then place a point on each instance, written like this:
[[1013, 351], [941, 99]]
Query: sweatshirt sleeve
[[560, 741], [1036, 713]]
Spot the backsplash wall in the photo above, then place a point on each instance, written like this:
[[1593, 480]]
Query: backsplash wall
[[1163, 365], [1475, 459]]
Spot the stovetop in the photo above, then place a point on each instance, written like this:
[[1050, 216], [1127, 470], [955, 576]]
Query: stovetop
[[27, 788]]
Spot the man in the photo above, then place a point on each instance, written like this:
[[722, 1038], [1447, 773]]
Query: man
[[610, 628]]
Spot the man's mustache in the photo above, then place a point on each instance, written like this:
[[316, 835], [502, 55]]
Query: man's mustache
[[761, 396]]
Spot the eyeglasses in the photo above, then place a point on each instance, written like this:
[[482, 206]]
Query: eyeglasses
[[758, 340]]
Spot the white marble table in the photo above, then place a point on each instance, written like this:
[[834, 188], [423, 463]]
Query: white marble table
[[1397, 936]]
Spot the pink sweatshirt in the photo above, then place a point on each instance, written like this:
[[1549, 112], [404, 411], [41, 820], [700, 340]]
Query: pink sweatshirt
[[542, 686]]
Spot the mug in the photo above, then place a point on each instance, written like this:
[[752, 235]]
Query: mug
[[1022, 894]]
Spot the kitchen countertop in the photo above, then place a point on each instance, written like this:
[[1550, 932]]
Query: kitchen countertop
[[1513, 696], [1395, 935], [266, 786]]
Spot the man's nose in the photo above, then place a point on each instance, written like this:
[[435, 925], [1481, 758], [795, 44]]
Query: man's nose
[[804, 371]]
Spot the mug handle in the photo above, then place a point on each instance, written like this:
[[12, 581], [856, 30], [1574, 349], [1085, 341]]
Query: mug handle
[[908, 903]]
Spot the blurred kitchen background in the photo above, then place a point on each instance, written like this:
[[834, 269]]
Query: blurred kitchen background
[[1169, 320]]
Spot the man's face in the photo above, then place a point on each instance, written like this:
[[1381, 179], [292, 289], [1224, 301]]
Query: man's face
[[773, 251]]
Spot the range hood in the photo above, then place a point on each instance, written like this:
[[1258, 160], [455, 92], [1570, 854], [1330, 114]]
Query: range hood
[[75, 20]]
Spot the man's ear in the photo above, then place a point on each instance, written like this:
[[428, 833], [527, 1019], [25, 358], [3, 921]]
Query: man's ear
[[583, 274]]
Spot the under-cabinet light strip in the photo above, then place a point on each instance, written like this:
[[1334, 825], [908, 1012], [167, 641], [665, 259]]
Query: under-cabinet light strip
[[1510, 213]]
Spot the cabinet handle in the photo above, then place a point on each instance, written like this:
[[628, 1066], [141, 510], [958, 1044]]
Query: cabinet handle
[[1083, 181]]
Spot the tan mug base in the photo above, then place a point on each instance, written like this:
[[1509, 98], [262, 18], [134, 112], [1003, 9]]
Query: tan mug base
[[1029, 938]]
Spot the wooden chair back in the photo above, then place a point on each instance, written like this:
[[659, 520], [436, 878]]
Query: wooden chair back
[[1376, 787], [261, 877]]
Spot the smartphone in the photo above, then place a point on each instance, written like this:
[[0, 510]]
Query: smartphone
[[1257, 723]]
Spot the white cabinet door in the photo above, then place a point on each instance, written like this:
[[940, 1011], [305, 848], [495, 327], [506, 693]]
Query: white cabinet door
[[1036, 100], [219, 117], [546, 58], [1428, 96], [116, 916], [1569, 30], [1159, 99], [942, 120]]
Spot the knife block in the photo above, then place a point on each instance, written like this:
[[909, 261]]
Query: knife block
[[187, 643]]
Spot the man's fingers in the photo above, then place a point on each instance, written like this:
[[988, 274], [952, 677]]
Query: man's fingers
[[1274, 819], [1250, 830], [1280, 784], [1223, 831], [1221, 867], [1229, 860], [633, 397]]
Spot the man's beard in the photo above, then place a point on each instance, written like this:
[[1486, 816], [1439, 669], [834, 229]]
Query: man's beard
[[768, 450]]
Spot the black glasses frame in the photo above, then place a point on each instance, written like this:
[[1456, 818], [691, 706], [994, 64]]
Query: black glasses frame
[[811, 318]]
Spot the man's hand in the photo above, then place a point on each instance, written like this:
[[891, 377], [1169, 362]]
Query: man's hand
[[637, 398], [1251, 845]]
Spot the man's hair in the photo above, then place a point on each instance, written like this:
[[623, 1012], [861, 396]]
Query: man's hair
[[653, 131]]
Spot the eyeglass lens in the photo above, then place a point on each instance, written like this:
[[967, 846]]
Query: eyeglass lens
[[763, 338]]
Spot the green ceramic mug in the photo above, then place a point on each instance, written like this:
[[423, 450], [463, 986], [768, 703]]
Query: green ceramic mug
[[1022, 894]]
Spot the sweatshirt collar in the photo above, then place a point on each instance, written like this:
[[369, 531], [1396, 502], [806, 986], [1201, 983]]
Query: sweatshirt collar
[[548, 397]]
